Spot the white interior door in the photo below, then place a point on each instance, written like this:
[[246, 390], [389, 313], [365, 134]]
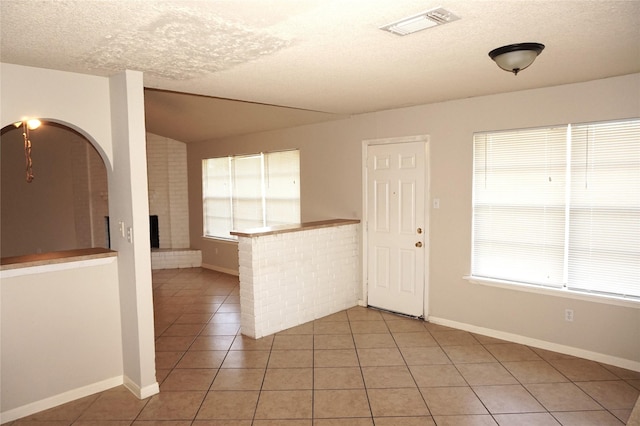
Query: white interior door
[[396, 228]]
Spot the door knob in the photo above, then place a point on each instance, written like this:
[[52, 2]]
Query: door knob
[[419, 230], [419, 244]]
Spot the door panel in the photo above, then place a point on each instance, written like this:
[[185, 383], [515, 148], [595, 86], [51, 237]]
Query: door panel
[[395, 210]]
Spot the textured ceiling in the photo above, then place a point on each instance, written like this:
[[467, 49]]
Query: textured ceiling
[[294, 62]]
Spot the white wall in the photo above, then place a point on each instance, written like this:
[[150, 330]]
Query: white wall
[[60, 335], [331, 187], [109, 112], [167, 168]]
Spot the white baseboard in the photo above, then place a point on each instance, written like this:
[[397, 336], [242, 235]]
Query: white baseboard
[[542, 344], [63, 398], [220, 269], [141, 393]]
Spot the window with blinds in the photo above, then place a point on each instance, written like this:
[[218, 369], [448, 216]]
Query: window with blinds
[[250, 191], [559, 207]]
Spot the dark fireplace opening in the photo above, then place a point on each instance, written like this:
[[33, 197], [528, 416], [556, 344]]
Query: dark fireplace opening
[[154, 234]]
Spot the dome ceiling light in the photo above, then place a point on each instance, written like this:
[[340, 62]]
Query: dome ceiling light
[[516, 57]]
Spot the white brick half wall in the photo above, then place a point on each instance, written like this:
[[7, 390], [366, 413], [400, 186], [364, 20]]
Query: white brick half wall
[[291, 278]]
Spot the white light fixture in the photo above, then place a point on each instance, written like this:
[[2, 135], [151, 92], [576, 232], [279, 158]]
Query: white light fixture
[[421, 21], [516, 57]]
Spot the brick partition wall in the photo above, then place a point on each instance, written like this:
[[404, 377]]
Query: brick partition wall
[[287, 279]]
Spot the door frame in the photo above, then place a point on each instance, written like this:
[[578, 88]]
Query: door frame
[[365, 213]]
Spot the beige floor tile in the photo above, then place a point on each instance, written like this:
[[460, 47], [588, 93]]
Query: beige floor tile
[[216, 423], [338, 378], [338, 316], [424, 356], [534, 372], [183, 330], [244, 343], [165, 423], [188, 379], [406, 325], [194, 318], [526, 419], [436, 376], [212, 343], [468, 353], [280, 422], [491, 373], [388, 377], [414, 339], [100, 423], [512, 352], [288, 379], [380, 357], [454, 338], [360, 313], [397, 402], [246, 359], [220, 329], [335, 358], [225, 318], [562, 397], [466, 420], [297, 404], [182, 405], [612, 395], [331, 327], [291, 359], [449, 401], [306, 328], [587, 418], [623, 373], [173, 343], [364, 327], [404, 421], [228, 405], [330, 341], [202, 359], [507, 399], [340, 403], [292, 341], [168, 360], [582, 370], [229, 307], [238, 379], [352, 421], [369, 341]]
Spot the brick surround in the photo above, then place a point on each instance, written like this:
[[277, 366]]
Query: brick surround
[[287, 279]]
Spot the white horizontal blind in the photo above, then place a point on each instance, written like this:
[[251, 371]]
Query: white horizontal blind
[[604, 242], [250, 191], [282, 187], [246, 174], [519, 206], [216, 189]]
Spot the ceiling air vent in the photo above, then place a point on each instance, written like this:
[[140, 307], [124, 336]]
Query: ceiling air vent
[[421, 21]]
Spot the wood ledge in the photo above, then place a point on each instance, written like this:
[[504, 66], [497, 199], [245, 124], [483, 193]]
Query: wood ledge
[[54, 257], [283, 229]]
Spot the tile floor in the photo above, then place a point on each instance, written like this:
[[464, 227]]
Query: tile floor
[[358, 367]]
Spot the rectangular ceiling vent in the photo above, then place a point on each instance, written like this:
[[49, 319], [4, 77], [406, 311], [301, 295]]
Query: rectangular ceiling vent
[[421, 21]]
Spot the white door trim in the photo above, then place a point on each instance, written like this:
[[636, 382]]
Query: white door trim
[[427, 208]]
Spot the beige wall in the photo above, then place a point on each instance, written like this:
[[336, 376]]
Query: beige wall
[[331, 186]]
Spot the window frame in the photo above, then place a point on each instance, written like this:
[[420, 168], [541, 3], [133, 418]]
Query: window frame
[[565, 290], [232, 201]]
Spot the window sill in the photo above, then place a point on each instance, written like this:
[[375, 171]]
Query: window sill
[[557, 292]]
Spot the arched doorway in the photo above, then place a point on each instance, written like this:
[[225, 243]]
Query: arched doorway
[[65, 206]]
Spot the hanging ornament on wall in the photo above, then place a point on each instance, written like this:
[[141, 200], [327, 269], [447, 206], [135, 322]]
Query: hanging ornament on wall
[[28, 125]]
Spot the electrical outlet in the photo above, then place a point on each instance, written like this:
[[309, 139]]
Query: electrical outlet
[[129, 234], [568, 315], [436, 203]]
